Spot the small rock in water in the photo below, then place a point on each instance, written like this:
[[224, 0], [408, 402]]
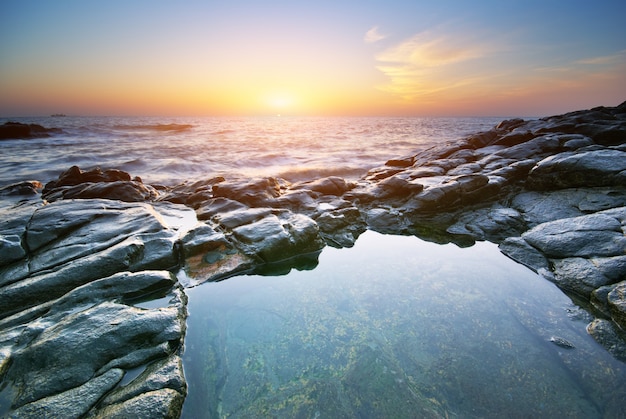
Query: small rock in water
[[561, 342]]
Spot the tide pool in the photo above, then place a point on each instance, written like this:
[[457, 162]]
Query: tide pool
[[395, 327]]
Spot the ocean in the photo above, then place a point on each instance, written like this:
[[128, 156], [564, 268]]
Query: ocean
[[170, 151]]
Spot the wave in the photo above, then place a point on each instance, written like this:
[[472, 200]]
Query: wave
[[155, 127], [224, 131]]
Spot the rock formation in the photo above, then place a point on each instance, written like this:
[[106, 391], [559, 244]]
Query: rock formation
[[17, 130], [92, 316]]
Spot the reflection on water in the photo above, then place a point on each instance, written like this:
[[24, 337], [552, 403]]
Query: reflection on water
[[395, 327]]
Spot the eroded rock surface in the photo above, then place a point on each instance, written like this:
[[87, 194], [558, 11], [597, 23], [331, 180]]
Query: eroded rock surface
[[72, 324]]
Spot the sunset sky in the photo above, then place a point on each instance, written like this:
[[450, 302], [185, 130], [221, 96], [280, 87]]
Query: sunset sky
[[449, 58]]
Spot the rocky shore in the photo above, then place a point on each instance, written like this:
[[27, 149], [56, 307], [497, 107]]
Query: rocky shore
[[93, 266]]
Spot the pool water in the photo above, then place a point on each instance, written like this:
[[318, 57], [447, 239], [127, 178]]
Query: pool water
[[395, 327]]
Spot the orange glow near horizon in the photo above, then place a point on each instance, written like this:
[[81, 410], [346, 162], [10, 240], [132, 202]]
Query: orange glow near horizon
[[293, 59]]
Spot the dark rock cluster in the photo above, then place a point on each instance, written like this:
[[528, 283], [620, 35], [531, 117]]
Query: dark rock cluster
[[77, 337], [17, 130]]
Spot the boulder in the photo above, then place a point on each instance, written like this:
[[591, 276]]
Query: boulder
[[242, 216], [395, 187], [534, 147], [612, 133], [541, 207], [515, 137], [493, 224], [596, 234], [341, 227], [214, 206], [481, 139], [191, 194], [604, 167], [75, 176], [278, 236], [202, 238], [127, 191], [301, 201], [75, 183], [599, 299], [509, 124], [17, 130], [579, 275], [332, 185], [254, 193]]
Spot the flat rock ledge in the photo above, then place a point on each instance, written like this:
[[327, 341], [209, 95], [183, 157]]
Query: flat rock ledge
[[93, 265]]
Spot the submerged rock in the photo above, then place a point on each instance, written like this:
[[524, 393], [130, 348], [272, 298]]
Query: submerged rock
[[563, 343], [607, 334]]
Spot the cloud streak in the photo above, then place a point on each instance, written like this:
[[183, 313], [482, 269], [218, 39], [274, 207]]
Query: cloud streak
[[373, 35], [442, 68], [429, 64], [428, 50], [619, 57]]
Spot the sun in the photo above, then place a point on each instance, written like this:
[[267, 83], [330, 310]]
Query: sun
[[279, 101]]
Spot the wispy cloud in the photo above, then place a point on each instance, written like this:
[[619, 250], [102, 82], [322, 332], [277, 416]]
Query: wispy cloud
[[612, 59], [430, 63], [429, 50], [373, 35]]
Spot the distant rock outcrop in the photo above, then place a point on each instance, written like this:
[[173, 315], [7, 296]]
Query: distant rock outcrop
[[17, 130]]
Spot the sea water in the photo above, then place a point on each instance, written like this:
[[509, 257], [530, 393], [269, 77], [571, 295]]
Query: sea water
[[174, 150], [396, 327], [393, 327]]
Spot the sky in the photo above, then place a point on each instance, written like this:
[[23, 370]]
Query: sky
[[361, 58]]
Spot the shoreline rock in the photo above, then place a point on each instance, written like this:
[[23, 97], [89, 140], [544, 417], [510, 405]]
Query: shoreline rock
[[101, 248], [16, 130]]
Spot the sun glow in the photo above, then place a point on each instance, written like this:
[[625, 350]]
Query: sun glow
[[279, 101]]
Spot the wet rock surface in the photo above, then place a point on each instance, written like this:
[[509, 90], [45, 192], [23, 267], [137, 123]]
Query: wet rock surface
[[92, 315], [72, 320]]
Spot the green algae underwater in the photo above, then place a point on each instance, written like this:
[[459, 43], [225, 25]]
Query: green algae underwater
[[395, 327]]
